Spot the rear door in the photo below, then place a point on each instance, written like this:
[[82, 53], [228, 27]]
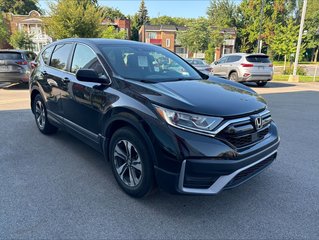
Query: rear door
[[261, 65], [57, 78]]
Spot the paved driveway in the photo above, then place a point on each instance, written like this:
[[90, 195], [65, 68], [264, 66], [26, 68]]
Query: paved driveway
[[57, 187]]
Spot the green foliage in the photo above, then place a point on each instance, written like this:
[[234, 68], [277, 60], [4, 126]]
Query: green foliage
[[3, 30], [300, 71], [210, 53], [22, 7], [112, 13], [134, 27], [142, 15], [197, 37], [167, 20], [20, 40], [222, 13], [74, 20], [112, 33]]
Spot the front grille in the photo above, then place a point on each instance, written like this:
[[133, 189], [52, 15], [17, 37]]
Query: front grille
[[249, 172], [244, 133]]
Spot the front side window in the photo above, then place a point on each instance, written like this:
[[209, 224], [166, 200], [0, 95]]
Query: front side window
[[147, 63], [85, 58], [222, 60], [60, 56]]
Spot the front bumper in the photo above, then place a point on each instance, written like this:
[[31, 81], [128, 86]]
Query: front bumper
[[211, 176]]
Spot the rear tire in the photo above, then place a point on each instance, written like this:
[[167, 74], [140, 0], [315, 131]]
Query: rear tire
[[131, 162], [261, 83], [233, 77], [41, 118]]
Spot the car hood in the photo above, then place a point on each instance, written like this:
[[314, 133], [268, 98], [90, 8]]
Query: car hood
[[215, 96]]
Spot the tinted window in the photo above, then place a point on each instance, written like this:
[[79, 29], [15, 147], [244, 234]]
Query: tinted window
[[10, 56], [199, 62], [47, 54], [222, 60], [233, 58], [84, 57], [258, 59], [60, 56], [147, 62]]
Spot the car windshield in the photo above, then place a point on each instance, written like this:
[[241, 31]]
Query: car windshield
[[147, 63], [10, 56]]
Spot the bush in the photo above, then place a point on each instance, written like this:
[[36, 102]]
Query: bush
[[300, 71]]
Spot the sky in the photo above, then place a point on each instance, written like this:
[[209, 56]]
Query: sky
[[174, 8]]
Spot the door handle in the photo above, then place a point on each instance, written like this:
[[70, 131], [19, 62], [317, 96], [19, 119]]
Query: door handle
[[66, 80]]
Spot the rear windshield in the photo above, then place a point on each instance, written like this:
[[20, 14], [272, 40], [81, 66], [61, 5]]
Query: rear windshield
[[10, 56], [258, 59]]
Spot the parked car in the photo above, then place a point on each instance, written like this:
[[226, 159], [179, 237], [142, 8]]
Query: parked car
[[15, 65], [185, 132], [244, 67], [201, 65]]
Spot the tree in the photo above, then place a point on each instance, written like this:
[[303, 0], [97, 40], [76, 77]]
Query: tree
[[142, 15], [285, 40], [167, 20], [74, 20], [3, 30], [22, 7], [112, 13], [112, 33], [21, 40], [197, 37], [134, 27], [222, 13]]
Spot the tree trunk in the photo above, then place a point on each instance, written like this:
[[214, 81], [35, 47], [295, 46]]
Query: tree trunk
[[316, 54], [285, 60]]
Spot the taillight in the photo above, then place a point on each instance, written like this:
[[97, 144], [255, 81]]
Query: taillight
[[247, 65], [271, 65], [22, 62]]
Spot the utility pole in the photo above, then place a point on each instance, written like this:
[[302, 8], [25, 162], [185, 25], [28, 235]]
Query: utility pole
[[259, 44], [294, 77]]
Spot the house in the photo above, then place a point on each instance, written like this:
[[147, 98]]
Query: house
[[32, 24], [167, 36], [163, 35], [119, 24]]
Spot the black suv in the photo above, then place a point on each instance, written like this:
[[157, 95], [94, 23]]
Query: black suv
[[156, 118]]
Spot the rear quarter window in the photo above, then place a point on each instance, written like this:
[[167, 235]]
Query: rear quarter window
[[258, 59], [10, 56]]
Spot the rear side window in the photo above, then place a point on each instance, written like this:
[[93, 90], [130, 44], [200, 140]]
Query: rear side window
[[47, 54], [60, 56], [231, 59], [10, 56], [84, 57], [258, 59]]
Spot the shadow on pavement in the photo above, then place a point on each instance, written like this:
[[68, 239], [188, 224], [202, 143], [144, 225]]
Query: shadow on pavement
[[15, 86], [271, 85]]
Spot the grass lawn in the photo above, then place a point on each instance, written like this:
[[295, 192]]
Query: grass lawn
[[281, 63], [280, 77]]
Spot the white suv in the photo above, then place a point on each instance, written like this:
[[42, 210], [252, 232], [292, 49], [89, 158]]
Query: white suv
[[244, 67]]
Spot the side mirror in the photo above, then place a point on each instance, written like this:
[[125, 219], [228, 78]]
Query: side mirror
[[90, 75]]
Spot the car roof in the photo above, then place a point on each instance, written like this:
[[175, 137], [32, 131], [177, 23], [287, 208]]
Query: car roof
[[14, 50], [244, 54], [98, 41]]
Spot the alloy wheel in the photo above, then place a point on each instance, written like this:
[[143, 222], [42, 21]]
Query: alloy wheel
[[128, 163], [40, 114]]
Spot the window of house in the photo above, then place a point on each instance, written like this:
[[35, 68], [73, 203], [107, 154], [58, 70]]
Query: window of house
[[152, 35], [60, 56], [85, 58], [168, 42]]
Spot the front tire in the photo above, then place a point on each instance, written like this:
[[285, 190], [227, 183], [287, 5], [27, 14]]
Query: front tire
[[131, 162], [41, 118]]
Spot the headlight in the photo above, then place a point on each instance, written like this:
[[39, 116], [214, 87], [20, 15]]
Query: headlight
[[187, 121]]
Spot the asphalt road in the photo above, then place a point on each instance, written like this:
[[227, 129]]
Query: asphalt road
[[58, 188]]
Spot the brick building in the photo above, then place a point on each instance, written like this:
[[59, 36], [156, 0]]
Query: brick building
[[32, 24], [120, 24], [166, 36]]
